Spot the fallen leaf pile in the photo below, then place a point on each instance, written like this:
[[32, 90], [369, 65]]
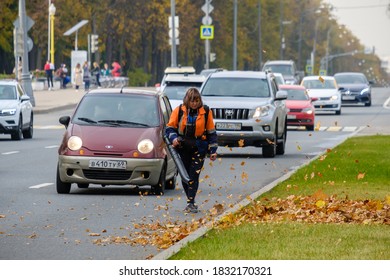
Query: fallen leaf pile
[[312, 209], [156, 234], [318, 208]]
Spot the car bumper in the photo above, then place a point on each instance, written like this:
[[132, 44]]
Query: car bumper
[[354, 99], [300, 119], [258, 135], [75, 169], [327, 105], [8, 128]]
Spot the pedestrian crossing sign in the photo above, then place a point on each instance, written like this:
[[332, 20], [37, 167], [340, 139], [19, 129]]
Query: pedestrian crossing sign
[[207, 32]]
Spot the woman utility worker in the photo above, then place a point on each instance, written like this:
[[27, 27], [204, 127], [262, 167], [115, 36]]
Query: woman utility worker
[[192, 132]]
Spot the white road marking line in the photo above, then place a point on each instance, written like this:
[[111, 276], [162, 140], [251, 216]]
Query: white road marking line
[[51, 147], [349, 128], [48, 126], [10, 153], [41, 186]]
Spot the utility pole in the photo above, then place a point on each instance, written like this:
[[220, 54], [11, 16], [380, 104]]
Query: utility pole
[[235, 36], [25, 79], [174, 35]]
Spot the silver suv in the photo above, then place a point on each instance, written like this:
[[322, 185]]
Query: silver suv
[[287, 68], [248, 110], [16, 111]]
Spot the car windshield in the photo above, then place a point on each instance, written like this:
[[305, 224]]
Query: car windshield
[[296, 94], [317, 84], [283, 69], [125, 110], [243, 87], [350, 79], [176, 91], [7, 92]]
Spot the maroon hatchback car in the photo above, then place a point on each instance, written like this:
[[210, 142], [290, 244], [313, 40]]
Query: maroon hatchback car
[[115, 138]]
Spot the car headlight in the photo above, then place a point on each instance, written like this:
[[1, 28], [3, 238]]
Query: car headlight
[[308, 111], [334, 97], [74, 143], [261, 112], [364, 91], [145, 146], [7, 112]]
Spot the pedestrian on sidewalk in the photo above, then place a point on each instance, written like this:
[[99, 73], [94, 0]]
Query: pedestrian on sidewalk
[[49, 67], [78, 76], [116, 69], [86, 76], [106, 71], [96, 73], [192, 132]]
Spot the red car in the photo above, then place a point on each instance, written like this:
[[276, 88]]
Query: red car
[[301, 109], [115, 138]]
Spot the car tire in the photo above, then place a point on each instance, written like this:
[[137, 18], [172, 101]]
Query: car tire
[[159, 188], [18, 134], [83, 185], [368, 103], [170, 184], [28, 133], [61, 186], [338, 112], [281, 142], [310, 127]]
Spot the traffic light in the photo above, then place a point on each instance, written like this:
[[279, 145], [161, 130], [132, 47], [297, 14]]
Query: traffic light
[[94, 43]]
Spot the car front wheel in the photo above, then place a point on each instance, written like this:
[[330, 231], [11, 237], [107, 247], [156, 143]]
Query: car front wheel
[[28, 133], [159, 188], [18, 134], [61, 186]]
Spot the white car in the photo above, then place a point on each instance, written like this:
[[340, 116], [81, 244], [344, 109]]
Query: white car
[[176, 85], [16, 111], [325, 89]]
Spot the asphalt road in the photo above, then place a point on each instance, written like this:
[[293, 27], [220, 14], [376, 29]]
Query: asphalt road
[[36, 223]]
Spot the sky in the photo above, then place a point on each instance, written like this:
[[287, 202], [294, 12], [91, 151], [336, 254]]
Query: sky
[[368, 20]]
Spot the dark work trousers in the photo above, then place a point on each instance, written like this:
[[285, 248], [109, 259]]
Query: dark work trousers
[[193, 162]]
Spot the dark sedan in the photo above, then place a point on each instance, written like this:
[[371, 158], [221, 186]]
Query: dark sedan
[[354, 88]]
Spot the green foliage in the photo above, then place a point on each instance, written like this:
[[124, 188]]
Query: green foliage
[[138, 78], [135, 33]]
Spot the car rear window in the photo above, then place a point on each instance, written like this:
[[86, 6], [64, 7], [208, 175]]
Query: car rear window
[[242, 87]]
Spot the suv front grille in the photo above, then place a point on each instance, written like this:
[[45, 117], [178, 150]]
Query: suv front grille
[[230, 114]]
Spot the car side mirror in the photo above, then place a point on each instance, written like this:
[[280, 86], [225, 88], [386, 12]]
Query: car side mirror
[[24, 98], [281, 95], [64, 120]]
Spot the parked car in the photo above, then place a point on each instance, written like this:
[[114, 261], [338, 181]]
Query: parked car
[[248, 110], [325, 89], [301, 109], [115, 138], [16, 111], [175, 86], [287, 68], [356, 89]]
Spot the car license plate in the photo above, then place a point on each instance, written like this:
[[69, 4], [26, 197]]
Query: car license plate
[[291, 117], [227, 126], [111, 164], [347, 97]]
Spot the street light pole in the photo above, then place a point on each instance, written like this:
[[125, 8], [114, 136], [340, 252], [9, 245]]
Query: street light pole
[[48, 31], [25, 78], [52, 12]]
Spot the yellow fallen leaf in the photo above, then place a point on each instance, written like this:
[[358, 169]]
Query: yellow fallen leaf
[[320, 204], [322, 80], [360, 175]]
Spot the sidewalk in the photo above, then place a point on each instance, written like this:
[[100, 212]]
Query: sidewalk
[[48, 101]]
